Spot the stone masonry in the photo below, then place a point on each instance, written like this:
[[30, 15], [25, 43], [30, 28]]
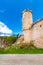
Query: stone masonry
[[32, 31]]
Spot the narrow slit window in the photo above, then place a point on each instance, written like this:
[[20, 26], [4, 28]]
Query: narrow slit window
[[40, 25]]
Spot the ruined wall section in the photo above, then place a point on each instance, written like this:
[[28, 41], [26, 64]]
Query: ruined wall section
[[37, 35]]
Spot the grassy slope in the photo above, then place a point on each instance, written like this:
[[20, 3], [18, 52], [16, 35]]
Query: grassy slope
[[15, 49], [21, 51]]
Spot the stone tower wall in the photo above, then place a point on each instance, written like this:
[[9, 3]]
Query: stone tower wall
[[27, 22]]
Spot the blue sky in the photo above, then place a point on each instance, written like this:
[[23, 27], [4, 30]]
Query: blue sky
[[11, 12]]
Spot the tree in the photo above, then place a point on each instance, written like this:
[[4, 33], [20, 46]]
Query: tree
[[11, 39]]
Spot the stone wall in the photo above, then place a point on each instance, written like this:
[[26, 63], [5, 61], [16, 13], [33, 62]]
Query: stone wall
[[26, 24], [37, 35], [32, 32]]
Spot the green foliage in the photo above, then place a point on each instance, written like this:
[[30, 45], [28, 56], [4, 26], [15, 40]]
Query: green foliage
[[23, 48], [7, 40], [10, 39], [17, 50]]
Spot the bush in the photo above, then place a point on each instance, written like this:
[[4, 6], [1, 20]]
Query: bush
[[23, 48], [10, 39]]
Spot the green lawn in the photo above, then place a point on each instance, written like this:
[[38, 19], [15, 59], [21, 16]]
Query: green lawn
[[15, 49], [21, 51]]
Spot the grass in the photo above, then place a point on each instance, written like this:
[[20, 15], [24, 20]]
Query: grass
[[21, 49]]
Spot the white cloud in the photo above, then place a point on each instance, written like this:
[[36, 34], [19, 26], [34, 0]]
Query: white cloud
[[4, 30]]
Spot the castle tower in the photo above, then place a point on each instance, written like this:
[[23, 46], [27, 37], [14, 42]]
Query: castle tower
[[27, 22]]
